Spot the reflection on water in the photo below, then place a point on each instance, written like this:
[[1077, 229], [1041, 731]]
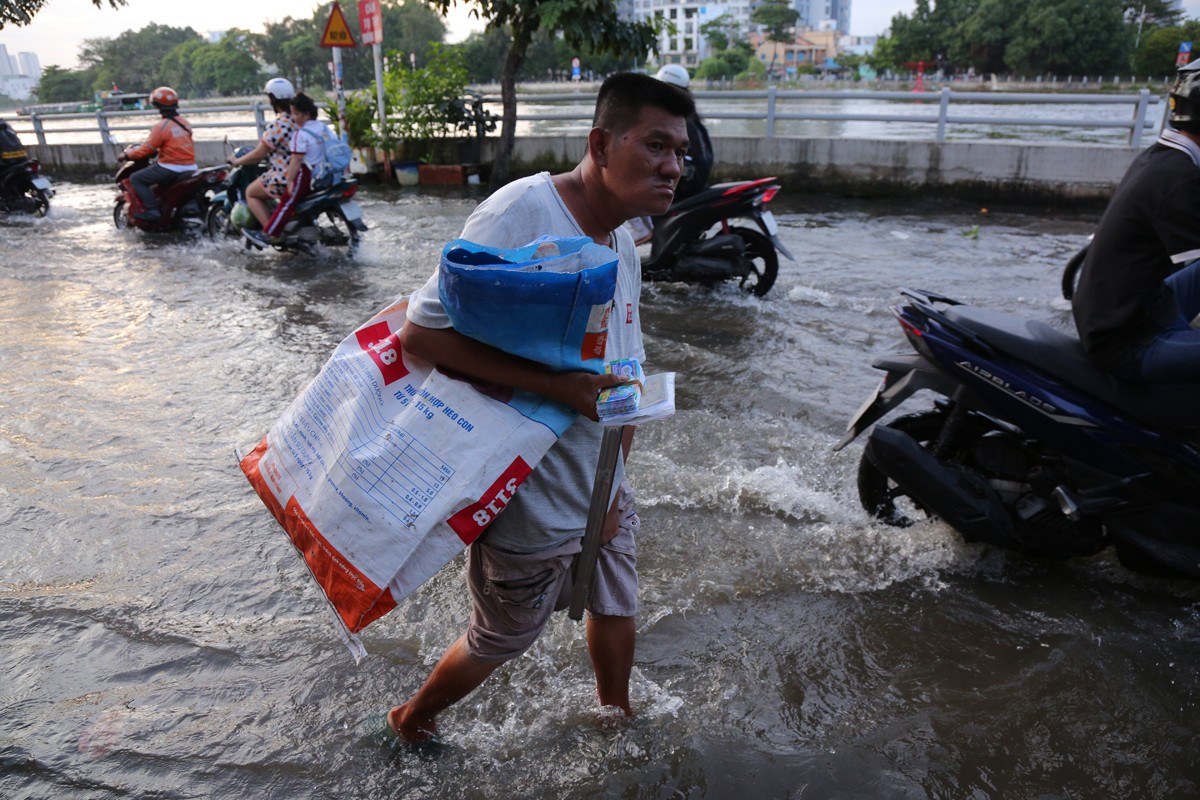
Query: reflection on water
[[161, 638]]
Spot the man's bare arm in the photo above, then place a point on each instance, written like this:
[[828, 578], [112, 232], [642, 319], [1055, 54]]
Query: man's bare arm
[[475, 359]]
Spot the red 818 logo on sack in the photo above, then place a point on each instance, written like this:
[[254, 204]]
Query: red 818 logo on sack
[[383, 347]]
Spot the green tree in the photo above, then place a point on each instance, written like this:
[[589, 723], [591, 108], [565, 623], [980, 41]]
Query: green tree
[[778, 21], [426, 103], [131, 61], [58, 85], [720, 33], [483, 53], [981, 38], [290, 48], [717, 68], [226, 67], [583, 23], [1158, 48], [21, 12], [883, 55], [1067, 37], [409, 27], [1056, 36], [177, 67]]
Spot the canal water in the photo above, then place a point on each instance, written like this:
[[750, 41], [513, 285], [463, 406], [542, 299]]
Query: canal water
[[159, 637]]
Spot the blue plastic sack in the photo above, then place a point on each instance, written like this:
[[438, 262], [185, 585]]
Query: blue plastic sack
[[548, 301]]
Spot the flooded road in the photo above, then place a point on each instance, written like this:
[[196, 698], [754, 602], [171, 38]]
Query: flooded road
[[160, 638]]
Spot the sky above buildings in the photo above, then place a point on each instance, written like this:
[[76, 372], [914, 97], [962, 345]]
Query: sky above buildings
[[62, 25], [57, 31]]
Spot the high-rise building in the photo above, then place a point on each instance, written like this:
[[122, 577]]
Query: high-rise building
[[824, 15], [29, 65], [6, 67]]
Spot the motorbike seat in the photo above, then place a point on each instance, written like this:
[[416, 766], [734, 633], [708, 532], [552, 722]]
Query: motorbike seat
[[1061, 355], [162, 185]]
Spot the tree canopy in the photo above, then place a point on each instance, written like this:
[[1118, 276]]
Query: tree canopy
[[583, 24], [22, 12], [1059, 37]]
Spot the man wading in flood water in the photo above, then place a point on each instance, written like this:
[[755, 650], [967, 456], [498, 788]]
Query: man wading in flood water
[[519, 571]]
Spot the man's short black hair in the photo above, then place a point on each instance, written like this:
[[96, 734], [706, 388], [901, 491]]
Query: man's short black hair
[[623, 96], [304, 104]]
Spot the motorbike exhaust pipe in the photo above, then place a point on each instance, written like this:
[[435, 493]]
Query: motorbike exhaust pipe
[[959, 496]]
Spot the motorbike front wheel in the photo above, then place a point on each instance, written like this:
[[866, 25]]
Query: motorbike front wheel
[[120, 218], [764, 261], [216, 222]]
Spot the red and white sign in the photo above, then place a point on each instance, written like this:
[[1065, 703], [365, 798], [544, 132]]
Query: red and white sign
[[370, 21]]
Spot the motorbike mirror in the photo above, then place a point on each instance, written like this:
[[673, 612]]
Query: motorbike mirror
[[112, 139]]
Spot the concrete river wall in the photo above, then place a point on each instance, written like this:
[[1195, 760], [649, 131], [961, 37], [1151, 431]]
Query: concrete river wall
[[1039, 172]]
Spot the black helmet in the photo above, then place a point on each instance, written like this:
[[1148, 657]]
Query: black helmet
[[1185, 99]]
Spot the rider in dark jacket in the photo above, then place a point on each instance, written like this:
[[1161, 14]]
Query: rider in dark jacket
[[1139, 288]]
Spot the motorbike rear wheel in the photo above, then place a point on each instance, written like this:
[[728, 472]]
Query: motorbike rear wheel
[[880, 496], [41, 202], [763, 259], [336, 231]]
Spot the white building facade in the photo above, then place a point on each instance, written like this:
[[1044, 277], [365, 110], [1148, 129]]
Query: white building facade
[[682, 41]]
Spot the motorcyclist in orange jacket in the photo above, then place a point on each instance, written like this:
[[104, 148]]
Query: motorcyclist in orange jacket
[[171, 138]]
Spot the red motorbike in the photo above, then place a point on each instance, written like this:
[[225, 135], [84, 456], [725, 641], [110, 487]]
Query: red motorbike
[[183, 200]]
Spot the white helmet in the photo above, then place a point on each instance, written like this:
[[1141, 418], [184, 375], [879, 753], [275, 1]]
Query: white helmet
[[674, 75], [280, 89]]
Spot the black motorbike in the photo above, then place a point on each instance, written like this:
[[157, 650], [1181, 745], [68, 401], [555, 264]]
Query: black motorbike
[[1028, 445], [694, 241], [22, 186]]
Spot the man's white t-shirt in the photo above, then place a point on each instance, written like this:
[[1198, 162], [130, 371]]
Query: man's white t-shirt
[[551, 506]]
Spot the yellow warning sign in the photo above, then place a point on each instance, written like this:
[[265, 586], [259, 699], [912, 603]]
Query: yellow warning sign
[[337, 32]]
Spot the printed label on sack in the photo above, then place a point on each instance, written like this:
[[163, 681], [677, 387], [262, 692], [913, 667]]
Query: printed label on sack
[[383, 347], [596, 338], [473, 520]]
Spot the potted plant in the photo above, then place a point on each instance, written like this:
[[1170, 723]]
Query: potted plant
[[432, 110], [362, 136]]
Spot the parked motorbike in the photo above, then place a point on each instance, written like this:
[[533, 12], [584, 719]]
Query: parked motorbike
[[688, 245], [328, 216], [1030, 446], [183, 200]]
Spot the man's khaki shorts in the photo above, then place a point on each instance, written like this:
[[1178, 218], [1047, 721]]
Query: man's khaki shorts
[[513, 594]]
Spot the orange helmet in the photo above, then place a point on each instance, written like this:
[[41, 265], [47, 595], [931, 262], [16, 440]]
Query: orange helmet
[[164, 97]]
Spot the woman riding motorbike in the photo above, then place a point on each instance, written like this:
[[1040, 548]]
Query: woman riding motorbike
[[276, 146], [306, 161], [171, 139]]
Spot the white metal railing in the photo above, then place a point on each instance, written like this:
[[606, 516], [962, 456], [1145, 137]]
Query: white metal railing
[[1139, 122], [777, 105]]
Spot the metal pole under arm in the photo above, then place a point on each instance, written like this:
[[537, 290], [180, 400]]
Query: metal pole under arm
[[585, 567]]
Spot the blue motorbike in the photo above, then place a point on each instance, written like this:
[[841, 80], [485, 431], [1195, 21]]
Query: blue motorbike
[[1028, 446], [327, 217]]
